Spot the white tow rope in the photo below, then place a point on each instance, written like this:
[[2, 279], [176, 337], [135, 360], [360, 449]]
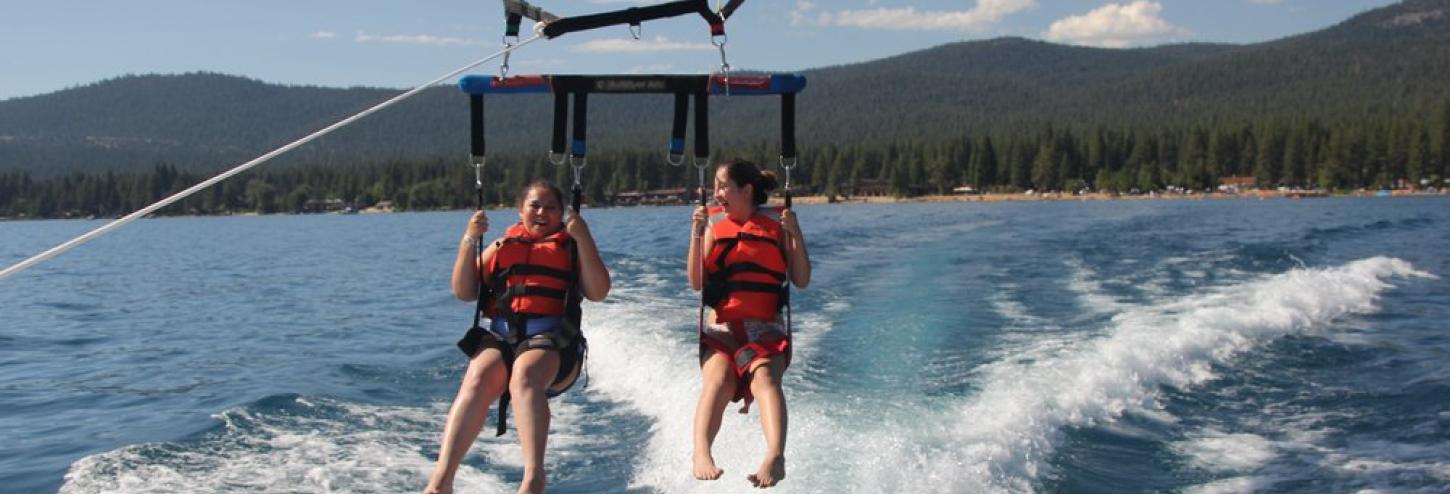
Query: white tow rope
[[72, 243]]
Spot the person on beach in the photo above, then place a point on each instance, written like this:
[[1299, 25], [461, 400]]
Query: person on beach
[[532, 349], [744, 344]]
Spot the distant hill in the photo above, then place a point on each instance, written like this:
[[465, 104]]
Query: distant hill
[[1392, 60]]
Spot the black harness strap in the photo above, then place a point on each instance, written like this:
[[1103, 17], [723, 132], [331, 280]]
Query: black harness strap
[[561, 119], [634, 16], [534, 269], [702, 125], [677, 131], [730, 7], [478, 147]]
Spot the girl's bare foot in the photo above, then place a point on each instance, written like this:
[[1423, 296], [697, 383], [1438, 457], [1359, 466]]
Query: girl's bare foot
[[705, 468], [532, 484], [771, 472], [438, 488]]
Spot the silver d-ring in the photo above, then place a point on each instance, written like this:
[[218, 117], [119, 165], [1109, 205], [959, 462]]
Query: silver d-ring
[[583, 161], [560, 160], [700, 163], [793, 160], [675, 159]]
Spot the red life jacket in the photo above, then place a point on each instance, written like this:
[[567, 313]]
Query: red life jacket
[[531, 275], [745, 270]]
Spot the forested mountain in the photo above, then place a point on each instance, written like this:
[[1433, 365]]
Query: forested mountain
[[1384, 62], [1360, 105]]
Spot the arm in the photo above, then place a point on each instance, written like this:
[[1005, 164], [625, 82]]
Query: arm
[[699, 235], [795, 250], [465, 271], [593, 275]]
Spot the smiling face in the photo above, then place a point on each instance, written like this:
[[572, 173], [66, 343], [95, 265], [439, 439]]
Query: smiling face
[[541, 213], [735, 198]]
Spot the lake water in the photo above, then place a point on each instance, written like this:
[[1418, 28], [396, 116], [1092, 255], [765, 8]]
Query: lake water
[[1122, 346]]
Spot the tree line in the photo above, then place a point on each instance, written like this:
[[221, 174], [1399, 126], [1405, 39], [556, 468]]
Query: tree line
[[1295, 152]]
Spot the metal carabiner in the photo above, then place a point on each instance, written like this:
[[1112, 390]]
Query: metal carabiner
[[578, 169], [719, 41], [503, 70], [478, 170], [793, 161]]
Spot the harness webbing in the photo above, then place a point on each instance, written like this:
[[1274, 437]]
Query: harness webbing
[[561, 122], [635, 15]]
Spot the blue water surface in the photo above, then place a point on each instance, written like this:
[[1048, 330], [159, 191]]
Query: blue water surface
[[1114, 346]]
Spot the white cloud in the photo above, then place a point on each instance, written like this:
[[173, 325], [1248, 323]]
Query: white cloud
[[414, 39], [801, 13], [659, 43], [323, 35], [1116, 26], [986, 14]]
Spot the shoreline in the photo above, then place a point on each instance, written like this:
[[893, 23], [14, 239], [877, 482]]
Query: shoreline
[[930, 198], [1100, 196]]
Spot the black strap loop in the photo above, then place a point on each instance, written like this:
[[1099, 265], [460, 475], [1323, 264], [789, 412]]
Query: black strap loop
[[561, 118], [477, 145], [677, 132], [581, 123]]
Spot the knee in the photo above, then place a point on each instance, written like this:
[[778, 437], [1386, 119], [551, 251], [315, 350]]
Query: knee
[[721, 384], [479, 381], [526, 382], [766, 376]]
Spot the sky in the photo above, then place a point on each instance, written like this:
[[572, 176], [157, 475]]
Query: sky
[[51, 45]]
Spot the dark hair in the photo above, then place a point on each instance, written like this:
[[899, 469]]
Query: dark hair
[[744, 172], [541, 184]]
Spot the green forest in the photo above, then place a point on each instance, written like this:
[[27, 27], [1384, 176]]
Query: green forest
[[1302, 153], [1359, 105]]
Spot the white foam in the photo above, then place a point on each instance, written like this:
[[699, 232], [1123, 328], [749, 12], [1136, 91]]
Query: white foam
[[1084, 281], [643, 354], [1217, 451], [368, 449], [1003, 437]]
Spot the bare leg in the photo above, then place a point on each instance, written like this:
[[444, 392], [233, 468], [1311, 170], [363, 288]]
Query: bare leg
[[483, 382], [716, 390], [765, 385], [533, 372]]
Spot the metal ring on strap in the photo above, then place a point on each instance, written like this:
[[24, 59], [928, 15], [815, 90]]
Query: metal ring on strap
[[558, 159], [700, 163], [583, 161], [793, 160], [675, 159]]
